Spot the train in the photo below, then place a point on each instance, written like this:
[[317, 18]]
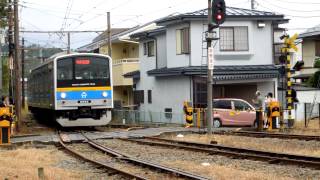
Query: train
[[72, 89]]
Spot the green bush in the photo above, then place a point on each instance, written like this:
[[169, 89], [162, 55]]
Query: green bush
[[310, 81], [316, 63], [314, 80]]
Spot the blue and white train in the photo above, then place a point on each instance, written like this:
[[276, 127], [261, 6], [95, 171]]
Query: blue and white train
[[72, 89]]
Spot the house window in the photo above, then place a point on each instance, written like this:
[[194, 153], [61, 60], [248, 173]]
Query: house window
[[145, 49], [317, 50], [234, 38], [150, 48], [168, 113], [182, 41], [149, 96], [138, 96]]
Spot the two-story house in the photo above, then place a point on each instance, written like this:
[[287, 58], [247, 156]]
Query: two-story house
[[310, 53], [173, 59], [124, 59]]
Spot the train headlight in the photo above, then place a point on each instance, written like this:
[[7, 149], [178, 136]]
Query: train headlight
[[104, 94], [63, 95]]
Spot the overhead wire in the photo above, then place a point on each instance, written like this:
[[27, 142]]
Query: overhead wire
[[286, 14], [299, 2], [113, 8], [289, 9]]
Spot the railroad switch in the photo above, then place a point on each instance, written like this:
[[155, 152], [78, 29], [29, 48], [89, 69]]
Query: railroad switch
[[273, 114]]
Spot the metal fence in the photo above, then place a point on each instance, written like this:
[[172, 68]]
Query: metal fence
[[146, 117]]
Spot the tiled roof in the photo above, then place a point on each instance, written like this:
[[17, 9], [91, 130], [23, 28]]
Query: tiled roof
[[314, 31], [149, 32], [104, 35], [133, 74], [231, 12], [222, 72]]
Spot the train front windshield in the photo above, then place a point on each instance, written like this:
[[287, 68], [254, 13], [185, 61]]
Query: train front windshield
[[83, 71]]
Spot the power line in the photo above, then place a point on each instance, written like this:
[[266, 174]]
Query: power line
[[300, 2], [290, 15], [153, 12], [69, 7], [295, 10], [46, 32], [113, 8]]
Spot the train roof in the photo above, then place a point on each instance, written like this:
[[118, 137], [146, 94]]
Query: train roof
[[65, 54]]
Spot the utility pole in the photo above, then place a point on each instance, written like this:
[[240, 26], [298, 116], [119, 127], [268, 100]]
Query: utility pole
[[252, 4], [109, 35], [210, 71], [17, 65], [11, 46], [68, 51], [22, 74], [216, 16]]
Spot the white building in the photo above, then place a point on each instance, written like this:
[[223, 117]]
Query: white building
[[173, 59]]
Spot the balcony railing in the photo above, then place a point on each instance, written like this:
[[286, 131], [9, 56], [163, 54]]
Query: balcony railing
[[125, 61]]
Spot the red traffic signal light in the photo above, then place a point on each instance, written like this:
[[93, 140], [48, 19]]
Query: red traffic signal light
[[219, 17], [218, 11]]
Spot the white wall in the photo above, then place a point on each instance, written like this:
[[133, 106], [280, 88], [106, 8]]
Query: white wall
[[308, 52], [174, 59], [268, 86], [260, 45], [307, 97], [166, 92], [161, 51]]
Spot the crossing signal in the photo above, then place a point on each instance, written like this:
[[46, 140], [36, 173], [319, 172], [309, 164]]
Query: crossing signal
[[218, 11], [188, 111]]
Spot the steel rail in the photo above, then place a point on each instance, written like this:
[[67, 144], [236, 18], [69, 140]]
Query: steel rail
[[109, 167], [271, 135], [122, 156], [271, 157]]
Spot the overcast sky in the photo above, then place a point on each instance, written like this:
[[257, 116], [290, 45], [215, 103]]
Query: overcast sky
[[91, 15]]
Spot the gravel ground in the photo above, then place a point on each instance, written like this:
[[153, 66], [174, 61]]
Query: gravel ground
[[219, 167], [22, 163], [97, 155], [293, 146]]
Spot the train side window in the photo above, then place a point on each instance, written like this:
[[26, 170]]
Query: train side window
[[64, 69]]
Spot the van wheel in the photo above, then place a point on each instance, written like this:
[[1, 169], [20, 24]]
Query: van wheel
[[216, 123]]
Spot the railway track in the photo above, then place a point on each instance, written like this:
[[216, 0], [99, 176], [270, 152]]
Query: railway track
[[242, 153], [98, 163], [121, 157], [270, 135]]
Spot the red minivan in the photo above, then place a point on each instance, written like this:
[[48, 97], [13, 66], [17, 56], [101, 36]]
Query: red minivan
[[233, 112]]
